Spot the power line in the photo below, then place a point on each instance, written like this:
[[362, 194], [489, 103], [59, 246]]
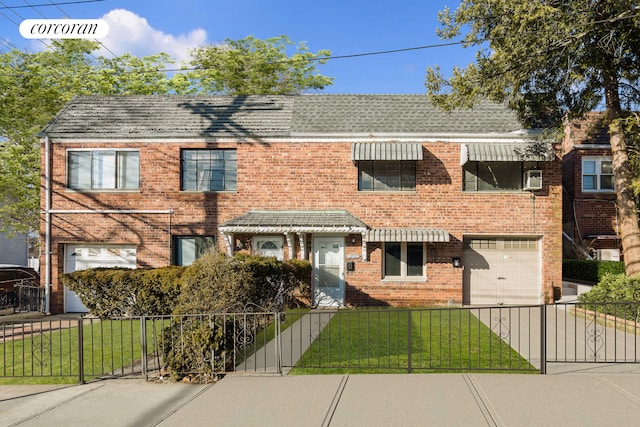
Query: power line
[[14, 22], [57, 5], [51, 4]]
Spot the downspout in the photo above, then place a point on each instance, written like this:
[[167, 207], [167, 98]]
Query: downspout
[[47, 233]]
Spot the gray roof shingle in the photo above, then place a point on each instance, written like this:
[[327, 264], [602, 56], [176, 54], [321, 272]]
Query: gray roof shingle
[[177, 116]]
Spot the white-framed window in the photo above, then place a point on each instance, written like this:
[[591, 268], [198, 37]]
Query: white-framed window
[[103, 169], [268, 246], [404, 260], [190, 248], [209, 170], [597, 174], [379, 175]]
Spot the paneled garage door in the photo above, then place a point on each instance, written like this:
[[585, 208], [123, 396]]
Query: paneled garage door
[[81, 257], [502, 270]]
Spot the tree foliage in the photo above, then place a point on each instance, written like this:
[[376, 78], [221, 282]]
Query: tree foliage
[[35, 86], [252, 66], [553, 60]]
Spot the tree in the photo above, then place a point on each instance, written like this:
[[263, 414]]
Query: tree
[[33, 88], [253, 66], [552, 60]]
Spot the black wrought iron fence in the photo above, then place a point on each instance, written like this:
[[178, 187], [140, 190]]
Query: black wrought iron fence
[[446, 339], [506, 339], [593, 333], [22, 297]]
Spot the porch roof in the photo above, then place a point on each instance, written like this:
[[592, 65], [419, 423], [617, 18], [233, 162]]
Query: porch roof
[[292, 221], [386, 151], [408, 235]]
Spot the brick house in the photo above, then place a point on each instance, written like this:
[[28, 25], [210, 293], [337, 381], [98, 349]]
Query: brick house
[[393, 201], [590, 223]]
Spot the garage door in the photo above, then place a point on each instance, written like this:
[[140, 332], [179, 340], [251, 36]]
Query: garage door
[[81, 257], [502, 271]]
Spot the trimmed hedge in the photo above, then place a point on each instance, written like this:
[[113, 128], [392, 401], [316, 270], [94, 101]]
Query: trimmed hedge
[[616, 295], [217, 283], [590, 270], [112, 292]]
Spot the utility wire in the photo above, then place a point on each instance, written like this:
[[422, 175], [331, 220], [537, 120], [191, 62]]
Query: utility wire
[[51, 4], [57, 5]]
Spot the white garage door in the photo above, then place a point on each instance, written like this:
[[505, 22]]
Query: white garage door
[[502, 271], [81, 257]]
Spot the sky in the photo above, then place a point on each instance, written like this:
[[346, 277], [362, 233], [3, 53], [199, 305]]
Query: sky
[[346, 27]]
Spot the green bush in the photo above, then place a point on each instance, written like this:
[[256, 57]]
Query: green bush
[[610, 295], [217, 283], [614, 288], [590, 270], [198, 344], [109, 292]]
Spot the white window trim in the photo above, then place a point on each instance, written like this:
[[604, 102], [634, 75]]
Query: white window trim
[[598, 160], [279, 241], [403, 265]]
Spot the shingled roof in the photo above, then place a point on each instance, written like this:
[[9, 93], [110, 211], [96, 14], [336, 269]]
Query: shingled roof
[[177, 116]]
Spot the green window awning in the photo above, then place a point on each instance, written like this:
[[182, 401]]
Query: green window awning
[[536, 152], [386, 151], [407, 235]]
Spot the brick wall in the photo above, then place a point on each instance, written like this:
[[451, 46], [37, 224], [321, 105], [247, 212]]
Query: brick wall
[[310, 176], [587, 213]]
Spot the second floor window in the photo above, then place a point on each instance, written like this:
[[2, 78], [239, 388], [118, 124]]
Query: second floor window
[[103, 170], [380, 175], [597, 174], [209, 170], [495, 176]]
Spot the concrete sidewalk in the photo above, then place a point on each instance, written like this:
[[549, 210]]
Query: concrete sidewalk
[[335, 400]]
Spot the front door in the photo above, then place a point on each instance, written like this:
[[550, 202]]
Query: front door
[[328, 271]]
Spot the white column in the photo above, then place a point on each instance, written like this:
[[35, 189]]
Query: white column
[[364, 246], [229, 242], [302, 238], [289, 237]]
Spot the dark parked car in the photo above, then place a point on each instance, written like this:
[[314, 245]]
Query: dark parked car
[[11, 275]]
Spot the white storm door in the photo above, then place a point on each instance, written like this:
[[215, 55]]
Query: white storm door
[[328, 271]]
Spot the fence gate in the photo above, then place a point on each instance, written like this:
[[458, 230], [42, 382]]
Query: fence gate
[[593, 333]]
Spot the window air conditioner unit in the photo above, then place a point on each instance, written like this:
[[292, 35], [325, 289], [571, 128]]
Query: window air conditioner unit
[[532, 180], [608, 254]]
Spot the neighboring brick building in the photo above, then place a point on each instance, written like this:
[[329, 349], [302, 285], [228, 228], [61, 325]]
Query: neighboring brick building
[[393, 201], [589, 204]]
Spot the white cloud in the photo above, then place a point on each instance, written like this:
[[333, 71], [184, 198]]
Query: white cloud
[[131, 33]]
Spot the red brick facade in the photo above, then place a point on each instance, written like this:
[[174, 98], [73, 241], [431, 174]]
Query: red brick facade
[[308, 175], [589, 217]]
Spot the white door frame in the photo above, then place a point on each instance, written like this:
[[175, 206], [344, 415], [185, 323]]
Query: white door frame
[[332, 296]]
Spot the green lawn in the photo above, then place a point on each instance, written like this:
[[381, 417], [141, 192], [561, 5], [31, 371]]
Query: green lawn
[[442, 340], [110, 347], [267, 334]]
